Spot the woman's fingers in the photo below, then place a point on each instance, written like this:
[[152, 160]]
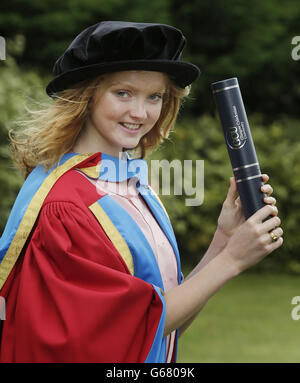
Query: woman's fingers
[[273, 239], [278, 232], [263, 213], [271, 224], [267, 189], [270, 200], [274, 245]]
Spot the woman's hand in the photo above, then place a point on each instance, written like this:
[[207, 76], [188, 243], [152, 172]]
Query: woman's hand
[[253, 240], [237, 245], [232, 215], [230, 219]]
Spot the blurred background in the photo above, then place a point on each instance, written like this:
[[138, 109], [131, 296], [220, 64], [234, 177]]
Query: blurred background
[[249, 320]]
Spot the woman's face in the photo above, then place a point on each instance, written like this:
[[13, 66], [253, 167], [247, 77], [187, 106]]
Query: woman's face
[[126, 107]]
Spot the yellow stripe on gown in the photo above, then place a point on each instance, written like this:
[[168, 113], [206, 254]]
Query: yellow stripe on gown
[[126, 195]]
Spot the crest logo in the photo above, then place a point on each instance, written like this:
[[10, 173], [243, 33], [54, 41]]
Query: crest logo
[[234, 139]]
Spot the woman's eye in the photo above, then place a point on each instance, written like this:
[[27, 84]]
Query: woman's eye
[[122, 93], [155, 97]]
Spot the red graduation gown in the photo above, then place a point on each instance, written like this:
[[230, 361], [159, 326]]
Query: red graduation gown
[[70, 296]]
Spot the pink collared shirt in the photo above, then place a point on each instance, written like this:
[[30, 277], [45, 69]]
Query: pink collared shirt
[[126, 194]]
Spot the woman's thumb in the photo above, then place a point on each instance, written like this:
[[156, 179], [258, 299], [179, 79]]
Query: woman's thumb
[[232, 191]]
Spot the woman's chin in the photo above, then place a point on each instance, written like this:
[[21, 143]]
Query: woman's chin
[[131, 145]]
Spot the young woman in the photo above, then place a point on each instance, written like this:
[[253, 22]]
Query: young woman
[[90, 266]]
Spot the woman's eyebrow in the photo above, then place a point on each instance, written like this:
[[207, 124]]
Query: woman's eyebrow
[[124, 84]]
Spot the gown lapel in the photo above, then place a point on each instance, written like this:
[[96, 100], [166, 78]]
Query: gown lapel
[[115, 169]]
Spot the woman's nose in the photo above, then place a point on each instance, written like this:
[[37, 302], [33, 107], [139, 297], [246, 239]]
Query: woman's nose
[[138, 110]]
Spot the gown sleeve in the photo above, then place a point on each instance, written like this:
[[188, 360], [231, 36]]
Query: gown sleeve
[[73, 298]]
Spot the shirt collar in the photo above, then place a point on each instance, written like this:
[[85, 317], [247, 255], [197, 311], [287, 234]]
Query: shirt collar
[[118, 169]]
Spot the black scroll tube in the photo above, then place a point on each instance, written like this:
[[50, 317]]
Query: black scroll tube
[[240, 144]]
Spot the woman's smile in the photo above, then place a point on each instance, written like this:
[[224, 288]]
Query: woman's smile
[[126, 106], [130, 127]]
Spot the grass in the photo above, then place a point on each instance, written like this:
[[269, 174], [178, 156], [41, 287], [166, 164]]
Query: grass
[[248, 321]]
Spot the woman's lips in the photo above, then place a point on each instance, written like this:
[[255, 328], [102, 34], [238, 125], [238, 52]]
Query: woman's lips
[[131, 128]]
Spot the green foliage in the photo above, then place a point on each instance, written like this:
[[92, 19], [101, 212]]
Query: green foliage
[[16, 86], [250, 41], [233, 38], [226, 39], [50, 25], [202, 138]]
